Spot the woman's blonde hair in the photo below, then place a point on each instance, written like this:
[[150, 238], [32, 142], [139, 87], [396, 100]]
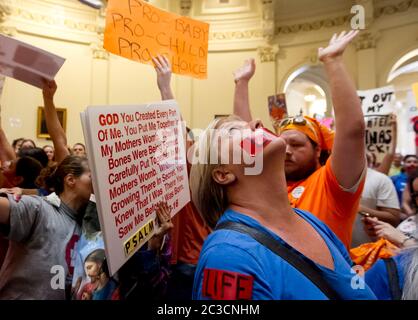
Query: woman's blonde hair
[[209, 197]]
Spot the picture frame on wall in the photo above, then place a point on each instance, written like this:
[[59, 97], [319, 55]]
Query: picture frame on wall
[[41, 130]]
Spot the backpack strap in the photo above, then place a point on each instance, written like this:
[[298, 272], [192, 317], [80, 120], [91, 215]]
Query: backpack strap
[[306, 267], [393, 278]]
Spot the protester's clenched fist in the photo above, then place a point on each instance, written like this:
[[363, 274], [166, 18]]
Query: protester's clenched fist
[[49, 89]]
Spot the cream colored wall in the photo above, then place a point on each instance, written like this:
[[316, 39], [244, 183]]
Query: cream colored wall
[[21, 101], [215, 95], [91, 76]]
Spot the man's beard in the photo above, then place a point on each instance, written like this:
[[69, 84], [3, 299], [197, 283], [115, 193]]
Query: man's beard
[[302, 173]]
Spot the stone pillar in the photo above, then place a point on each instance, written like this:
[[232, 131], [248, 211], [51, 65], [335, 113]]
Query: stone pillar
[[5, 12], [366, 61], [268, 24], [185, 6], [268, 73], [99, 66]]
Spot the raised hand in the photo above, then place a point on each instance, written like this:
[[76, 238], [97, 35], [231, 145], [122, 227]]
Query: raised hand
[[393, 119], [164, 219], [49, 89], [246, 71], [163, 68], [336, 46]]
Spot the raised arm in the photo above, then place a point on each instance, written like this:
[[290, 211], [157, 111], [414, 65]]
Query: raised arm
[[163, 69], [4, 211], [242, 77], [6, 150], [384, 167], [348, 154], [406, 202], [53, 124]]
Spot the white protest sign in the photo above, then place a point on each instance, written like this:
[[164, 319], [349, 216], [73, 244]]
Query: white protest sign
[[27, 63], [379, 101], [137, 158]]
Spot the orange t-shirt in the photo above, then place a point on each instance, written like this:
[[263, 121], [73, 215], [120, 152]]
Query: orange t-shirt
[[321, 195], [188, 235]]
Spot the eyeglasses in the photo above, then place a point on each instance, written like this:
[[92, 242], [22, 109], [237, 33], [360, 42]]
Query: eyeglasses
[[298, 121]]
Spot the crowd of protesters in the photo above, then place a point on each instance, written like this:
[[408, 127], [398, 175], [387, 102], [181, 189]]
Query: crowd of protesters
[[291, 231]]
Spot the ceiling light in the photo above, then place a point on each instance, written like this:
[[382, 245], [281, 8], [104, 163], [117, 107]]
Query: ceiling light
[[96, 4]]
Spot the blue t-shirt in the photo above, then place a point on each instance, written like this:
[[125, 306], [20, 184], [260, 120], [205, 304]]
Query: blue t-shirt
[[400, 181], [230, 260], [377, 276]]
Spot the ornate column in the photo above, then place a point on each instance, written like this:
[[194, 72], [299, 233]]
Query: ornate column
[[185, 6], [99, 65], [267, 70], [366, 60], [268, 24], [5, 12]]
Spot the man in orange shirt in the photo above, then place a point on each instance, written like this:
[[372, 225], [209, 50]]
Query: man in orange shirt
[[329, 190]]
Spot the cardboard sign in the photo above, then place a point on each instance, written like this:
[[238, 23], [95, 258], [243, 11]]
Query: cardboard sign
[[377, 104], [379, 137], [379, 101], [137, 159], [277, 108], [139, 31], [27, 63]]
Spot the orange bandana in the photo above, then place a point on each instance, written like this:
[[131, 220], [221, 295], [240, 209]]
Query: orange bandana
[[318, 133]]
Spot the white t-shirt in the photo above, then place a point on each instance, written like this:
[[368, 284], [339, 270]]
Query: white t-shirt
[[379, 191]]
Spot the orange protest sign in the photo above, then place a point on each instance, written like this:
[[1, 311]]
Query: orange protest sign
[[139, 31]]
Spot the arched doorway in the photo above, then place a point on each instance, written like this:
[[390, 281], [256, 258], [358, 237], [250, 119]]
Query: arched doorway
[[307, 90], [402, 75]]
